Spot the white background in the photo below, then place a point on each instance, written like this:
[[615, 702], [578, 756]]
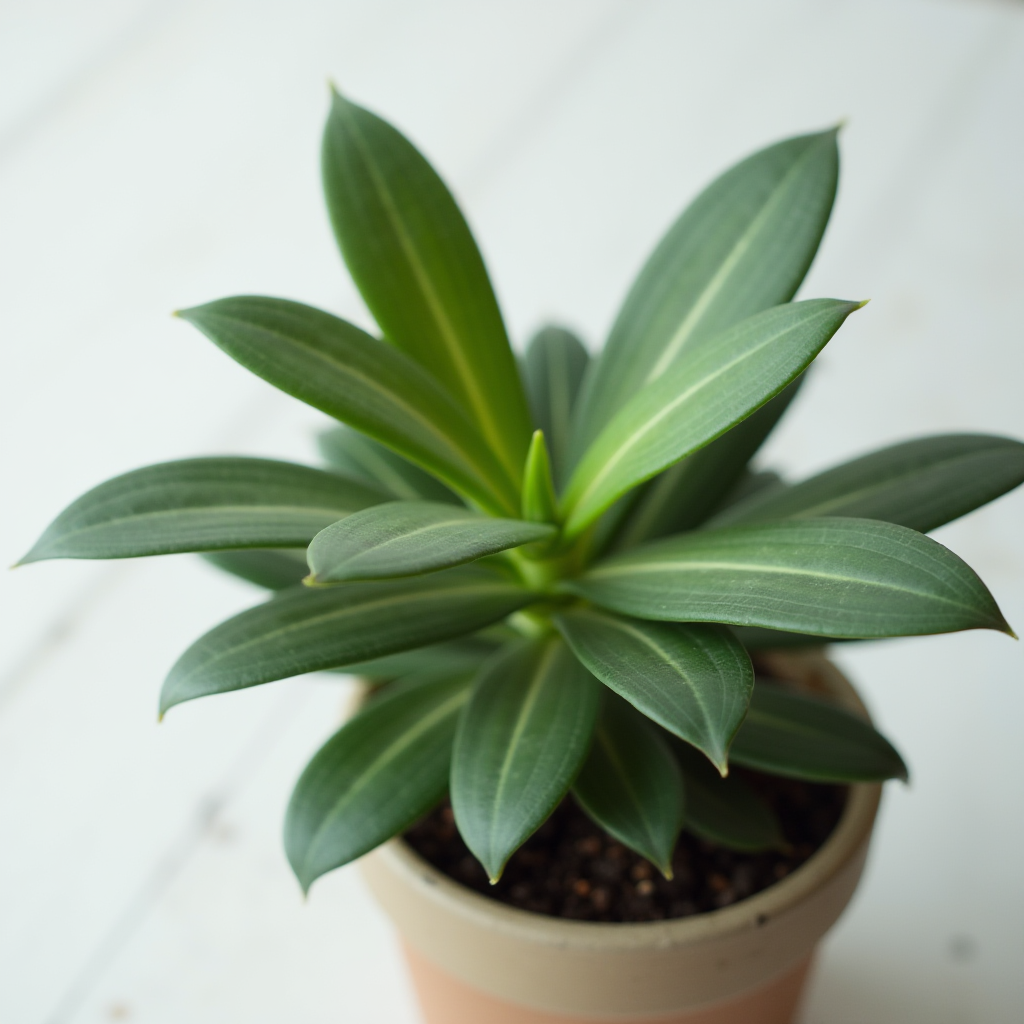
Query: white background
[[160, 153]]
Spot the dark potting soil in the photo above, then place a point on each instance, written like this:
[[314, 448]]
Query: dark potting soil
[[571, 868]]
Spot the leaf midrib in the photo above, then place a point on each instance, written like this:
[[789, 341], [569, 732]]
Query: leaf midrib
[[448, 441], [432, 595], [522, 720], [717, 283], [420, 729], [650, 643], [645, 428], [492, 529], [650, 567], [196, 510], [445, 328], [868, 490]]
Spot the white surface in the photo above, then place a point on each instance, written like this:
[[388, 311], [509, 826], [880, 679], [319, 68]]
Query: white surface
[[156, 154]]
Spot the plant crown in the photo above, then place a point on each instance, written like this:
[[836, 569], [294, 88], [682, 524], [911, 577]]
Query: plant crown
[[557, 568]]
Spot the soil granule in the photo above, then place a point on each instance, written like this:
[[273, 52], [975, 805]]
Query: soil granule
[[571, 868]]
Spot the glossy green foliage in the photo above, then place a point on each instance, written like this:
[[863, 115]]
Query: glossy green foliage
[[684, 495], [694, 679], [707, 390], [803, 737], [921, 484], [554, 367], [828, 577], [373, 778], [341, 370], [361, 458], [725, 811], [411, 254], [273, 569], [309, 630], [520, 743], [539, 502], [631, 785], [626, 555], [201, 505], [405, 538], [742, 246]]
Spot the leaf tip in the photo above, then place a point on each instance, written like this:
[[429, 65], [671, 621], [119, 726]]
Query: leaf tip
[[861, 305]]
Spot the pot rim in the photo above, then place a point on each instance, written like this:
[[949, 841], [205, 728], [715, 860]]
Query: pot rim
[[809, 669], [849, 835]]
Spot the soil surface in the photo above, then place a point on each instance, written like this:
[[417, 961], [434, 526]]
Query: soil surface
[[571, 868]]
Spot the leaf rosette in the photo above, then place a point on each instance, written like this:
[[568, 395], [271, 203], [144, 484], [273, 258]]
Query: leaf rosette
[[553, 569]]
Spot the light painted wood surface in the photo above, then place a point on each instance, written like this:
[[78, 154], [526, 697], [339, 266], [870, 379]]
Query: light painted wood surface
[[157, 153]]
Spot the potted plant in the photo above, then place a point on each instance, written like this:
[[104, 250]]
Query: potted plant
[[580, 614]]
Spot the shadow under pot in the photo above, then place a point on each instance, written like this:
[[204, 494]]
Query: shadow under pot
[[475, 960]]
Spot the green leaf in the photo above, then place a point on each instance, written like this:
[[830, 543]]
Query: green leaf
[[539, 502], [454, 657], [554, 366], [726, 811], [520, 743], [802, 737], [273, 569], [201, 505], [631, 785], [921, 484], [404, 538], [366, 383], [757, 638], [828, 577], [413, 258], [742, 246], [687, 493], [311, 630], [710, 388], [373, 778], [693, 679], [362, 458]]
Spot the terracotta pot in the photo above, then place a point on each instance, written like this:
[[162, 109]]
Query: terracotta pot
[[474, 960]]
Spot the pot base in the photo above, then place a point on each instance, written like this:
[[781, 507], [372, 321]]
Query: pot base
[[444, 999]]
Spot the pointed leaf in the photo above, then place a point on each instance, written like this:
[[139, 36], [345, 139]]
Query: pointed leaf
[[201, 505], [362, 458], [828, 577], [273, 569], [539, 503], [742, 246], [725, 811], [710, 388], [311, 630], [631, 785], [418, 269], [341, 370], [520, 743], [802, 737], [554, 366], [685, 494], [373, 778], [694, 680], [921, 484], [404, 538]]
